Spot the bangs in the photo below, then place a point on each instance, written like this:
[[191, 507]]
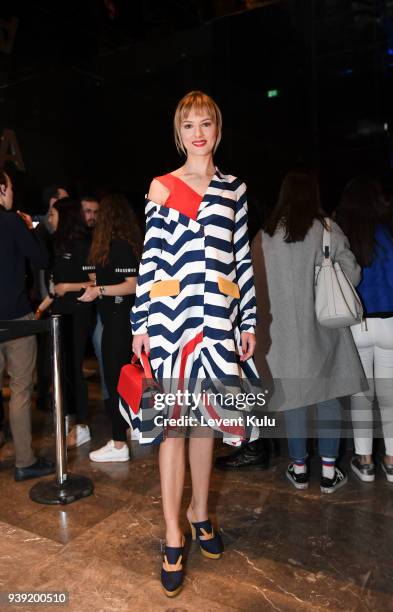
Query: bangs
[[200, 107]]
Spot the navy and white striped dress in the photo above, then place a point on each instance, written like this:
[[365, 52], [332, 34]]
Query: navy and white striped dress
[[195, 295]]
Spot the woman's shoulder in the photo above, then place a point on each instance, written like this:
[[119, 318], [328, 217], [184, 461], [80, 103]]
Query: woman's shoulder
[[277, 240], [121, 252], [321, 223], [79, 247], [337, 233], [160, 188], [233, 183], [384, 241], [384, 230]]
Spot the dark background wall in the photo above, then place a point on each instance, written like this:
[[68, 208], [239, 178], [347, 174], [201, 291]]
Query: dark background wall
[[90, 88]]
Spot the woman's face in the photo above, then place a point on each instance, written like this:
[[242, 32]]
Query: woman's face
[[53, 218], [198, 133]]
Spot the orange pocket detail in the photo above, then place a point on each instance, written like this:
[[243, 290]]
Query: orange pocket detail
[[228, 287], [165, 288]]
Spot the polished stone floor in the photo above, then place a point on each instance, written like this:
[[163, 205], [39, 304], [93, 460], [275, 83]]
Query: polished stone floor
[[285, 549]]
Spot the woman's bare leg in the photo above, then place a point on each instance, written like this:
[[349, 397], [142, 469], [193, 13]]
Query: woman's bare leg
[[172, 468], [201, 457]]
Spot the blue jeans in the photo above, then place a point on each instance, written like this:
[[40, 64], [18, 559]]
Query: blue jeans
[[329, 429]]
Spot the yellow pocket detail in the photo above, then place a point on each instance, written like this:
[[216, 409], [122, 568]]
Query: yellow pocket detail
[[165, 288], [228, 287]]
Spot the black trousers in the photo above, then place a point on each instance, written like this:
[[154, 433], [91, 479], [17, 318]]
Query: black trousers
[[116, 352], [76, 326]]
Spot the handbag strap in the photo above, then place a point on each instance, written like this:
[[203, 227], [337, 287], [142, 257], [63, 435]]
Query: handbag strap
[[145, 364], [326, 238]]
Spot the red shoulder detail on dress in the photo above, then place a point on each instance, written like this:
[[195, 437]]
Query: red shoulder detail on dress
[[166, 180], [182, 197]]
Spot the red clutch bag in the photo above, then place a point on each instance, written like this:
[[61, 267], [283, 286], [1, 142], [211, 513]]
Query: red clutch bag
[[135, 378]]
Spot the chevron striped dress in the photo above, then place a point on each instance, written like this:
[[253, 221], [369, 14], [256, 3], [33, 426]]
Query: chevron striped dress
[[194, 296]]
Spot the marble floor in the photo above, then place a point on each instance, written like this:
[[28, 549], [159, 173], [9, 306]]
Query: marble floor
[[285, 549]]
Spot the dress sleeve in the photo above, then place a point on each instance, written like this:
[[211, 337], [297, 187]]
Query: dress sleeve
[[147, 268], [125, 262], [244, 270]]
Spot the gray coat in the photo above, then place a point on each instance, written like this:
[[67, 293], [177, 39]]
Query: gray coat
[[313, 363]]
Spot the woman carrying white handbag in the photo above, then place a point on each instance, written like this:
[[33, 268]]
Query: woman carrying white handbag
[[315, 364], [364, 217]]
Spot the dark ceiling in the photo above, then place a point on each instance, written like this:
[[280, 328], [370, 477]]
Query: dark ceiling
[[89, 87]]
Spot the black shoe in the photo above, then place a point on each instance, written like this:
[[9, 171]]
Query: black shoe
[[329, 485], [249, 455], [364, 471], [42, 467], [300, 481], [388, 469]]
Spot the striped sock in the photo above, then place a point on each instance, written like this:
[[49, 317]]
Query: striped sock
[[328, 467], [299, 467]]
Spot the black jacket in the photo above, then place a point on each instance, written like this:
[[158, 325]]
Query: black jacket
[[16, 244]]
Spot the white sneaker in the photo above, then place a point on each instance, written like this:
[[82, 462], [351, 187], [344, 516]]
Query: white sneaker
[[79, 434], [110, 453]]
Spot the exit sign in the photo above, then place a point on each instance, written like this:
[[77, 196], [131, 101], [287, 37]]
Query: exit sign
[[273, 93]]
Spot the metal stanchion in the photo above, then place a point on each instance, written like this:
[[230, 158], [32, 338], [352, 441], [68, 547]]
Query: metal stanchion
[[67, 487]]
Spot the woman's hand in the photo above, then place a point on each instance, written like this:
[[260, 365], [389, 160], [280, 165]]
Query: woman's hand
[[61, 289], [91, 293], [26, 218], [248, 345], [141, 342]]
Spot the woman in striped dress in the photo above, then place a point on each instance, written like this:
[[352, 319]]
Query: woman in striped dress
[[194, 315]]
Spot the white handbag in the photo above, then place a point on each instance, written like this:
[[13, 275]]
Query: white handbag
[[336, 302]]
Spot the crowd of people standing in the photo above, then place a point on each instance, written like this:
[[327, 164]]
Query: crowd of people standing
[[84, 260]]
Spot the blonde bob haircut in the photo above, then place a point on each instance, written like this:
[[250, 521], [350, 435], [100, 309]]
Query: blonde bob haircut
[[200, 103]]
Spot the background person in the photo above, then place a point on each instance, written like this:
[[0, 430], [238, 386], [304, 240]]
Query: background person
[[115, 251], [18, 356], [315, 364], [44, 230], [71, 244], [90, 209], [365, 218], [41, 292]]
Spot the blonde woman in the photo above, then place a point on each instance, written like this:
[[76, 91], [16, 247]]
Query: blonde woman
[[195, 315]]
